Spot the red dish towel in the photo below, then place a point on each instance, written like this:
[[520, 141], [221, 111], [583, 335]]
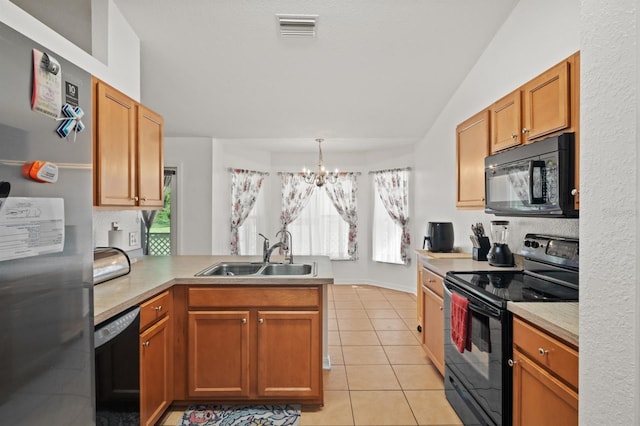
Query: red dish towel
[[460, 322]]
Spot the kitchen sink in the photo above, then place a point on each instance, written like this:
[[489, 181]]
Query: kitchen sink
[[287, 269], [231, 268], [252, 268]]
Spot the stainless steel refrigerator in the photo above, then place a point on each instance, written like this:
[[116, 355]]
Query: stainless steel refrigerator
[[46, 245]]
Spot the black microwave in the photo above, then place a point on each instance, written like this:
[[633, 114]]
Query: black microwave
[[532, 180]]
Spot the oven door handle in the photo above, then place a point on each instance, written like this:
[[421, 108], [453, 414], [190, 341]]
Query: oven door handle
[[486, 311]]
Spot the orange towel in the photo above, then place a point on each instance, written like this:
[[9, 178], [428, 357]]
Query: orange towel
[[460, 322]]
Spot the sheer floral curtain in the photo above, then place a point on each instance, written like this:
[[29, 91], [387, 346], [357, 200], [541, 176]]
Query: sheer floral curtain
[[245, 186], [295, 196], [343, 196], [392, 187]]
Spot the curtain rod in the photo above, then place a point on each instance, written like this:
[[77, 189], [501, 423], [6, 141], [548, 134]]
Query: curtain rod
[[391, 170], [231, 169], [302, 173]]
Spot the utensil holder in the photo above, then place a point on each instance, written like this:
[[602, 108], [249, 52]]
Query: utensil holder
[[480, 253]]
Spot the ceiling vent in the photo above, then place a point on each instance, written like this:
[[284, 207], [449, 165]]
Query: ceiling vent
[[297, 25]]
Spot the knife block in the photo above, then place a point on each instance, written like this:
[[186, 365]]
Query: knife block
[[480, 253]]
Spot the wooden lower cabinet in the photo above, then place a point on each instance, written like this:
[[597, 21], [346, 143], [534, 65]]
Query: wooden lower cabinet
[[289, 354], [434, 328], [431, 292], [218, 354], [269, 349], [156, 371], [545, 378]]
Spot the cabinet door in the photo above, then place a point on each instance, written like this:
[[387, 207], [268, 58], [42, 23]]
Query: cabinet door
[[115, 149], [539, 398], [506, 125], [472, 147], [150, 158], [218, 354], [156, 371], [289, 354], [434, 328], [546, 103]]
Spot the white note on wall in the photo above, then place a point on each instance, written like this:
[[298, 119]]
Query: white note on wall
[[31, 227]]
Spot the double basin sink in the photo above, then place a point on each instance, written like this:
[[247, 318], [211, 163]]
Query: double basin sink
[[258, 269]]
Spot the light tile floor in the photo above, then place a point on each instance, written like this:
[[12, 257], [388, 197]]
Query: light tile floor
[[379, 373]]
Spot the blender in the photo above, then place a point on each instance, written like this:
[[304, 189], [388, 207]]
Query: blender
[[500, 254]]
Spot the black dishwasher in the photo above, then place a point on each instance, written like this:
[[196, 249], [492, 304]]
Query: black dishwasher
[[117, 369]]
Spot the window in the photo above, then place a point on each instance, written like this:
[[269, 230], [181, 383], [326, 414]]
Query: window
[[248, 243], [386, 234], [161, 239], [391, 240], [319, 230]]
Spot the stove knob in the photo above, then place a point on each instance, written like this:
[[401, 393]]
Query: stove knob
[[535, 244], [527, 243]]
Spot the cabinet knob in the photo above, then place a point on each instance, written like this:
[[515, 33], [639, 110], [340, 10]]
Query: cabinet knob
[[511, 363], [145, 344], [144, 198], [525, 130], [261, 321], [514, 136], [441, 308], [158, 308], [244, 320], [542, 352], [574, 192], [431, 280], [135, 198]]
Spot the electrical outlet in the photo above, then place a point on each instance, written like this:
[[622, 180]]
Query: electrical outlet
[[133, 238]]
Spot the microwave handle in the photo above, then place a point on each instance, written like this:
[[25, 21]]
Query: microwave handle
[[533, 165]]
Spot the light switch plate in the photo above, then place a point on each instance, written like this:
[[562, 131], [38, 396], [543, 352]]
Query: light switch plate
[[133, 238]]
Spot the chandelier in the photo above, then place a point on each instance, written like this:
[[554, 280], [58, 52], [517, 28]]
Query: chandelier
[[322, 175]]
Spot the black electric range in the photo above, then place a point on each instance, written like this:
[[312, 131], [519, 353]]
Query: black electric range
[[550, 274], [478, 380]]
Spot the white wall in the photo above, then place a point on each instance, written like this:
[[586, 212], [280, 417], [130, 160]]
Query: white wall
[[609, 297], [531, 40], [211, 217], [194, 159]]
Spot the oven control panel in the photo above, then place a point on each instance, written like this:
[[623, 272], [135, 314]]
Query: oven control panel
[[557, 250]]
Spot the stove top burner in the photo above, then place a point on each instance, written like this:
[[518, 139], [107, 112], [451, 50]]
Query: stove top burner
[[514, 286]]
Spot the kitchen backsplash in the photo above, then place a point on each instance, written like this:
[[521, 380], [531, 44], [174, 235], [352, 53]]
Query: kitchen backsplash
[[128, 221]]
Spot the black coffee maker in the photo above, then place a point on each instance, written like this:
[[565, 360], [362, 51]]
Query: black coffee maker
[[500, 254]]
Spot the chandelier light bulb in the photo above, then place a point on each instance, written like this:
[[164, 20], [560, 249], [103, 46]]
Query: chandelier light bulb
[[322, 176]]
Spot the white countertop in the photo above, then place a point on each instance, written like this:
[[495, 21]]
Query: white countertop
[[152, 274]]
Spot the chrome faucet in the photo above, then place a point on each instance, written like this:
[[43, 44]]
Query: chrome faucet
[[267, 251], [288, 241]]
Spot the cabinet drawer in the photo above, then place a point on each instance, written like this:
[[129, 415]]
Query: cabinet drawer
[[432, 281], [275, 297], [154, 309], [558, 357]]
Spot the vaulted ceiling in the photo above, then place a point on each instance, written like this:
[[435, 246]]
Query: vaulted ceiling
[[377, 74]]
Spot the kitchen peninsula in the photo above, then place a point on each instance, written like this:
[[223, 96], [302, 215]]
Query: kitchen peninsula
[[223, 338]]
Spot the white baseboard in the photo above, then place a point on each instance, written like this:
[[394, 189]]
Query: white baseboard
[[389, 286]]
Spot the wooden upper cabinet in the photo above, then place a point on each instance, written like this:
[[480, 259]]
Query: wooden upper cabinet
[[506, 122], [472, 146], [546, 103], [115, 148], [128, 151], [150, 158]]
